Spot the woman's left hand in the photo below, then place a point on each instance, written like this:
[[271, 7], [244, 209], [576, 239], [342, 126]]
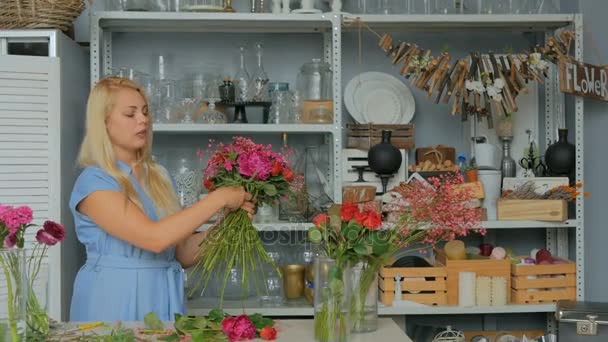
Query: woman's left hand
[[249, 207]]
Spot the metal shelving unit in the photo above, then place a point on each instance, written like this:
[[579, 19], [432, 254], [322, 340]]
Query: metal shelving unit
[[331, 26]]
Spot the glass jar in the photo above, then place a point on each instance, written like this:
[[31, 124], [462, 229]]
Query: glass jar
[[273, 281], [332, 296], [314, 83]]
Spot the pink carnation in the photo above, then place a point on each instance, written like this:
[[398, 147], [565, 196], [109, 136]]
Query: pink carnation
[[14, 219], [239, 328], [10, 241], [55, 230], [254, 163]]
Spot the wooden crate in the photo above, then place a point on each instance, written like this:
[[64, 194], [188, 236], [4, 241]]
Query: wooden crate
[[481, 267], [364, 136], [536, 210], [549, 283], [424, 285]]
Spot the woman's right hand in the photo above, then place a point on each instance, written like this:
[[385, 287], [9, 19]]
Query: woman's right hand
[[233, 197]]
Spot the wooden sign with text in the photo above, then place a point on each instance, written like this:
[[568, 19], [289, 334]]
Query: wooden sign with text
[[584, 80]]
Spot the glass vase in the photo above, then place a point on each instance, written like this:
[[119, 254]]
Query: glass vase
[[332, 300], [14, 294], [364, 302]]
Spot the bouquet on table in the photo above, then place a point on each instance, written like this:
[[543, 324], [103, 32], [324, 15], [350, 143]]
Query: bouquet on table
[[234, 242], [427, 214], [20, 281]]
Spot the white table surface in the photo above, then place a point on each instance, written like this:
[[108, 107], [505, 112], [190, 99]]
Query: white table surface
[[292, 330], [302, 330]]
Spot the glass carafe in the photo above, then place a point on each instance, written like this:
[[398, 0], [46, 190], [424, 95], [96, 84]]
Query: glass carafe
[[259, 80], [274, 284], [241, 79], [314, 83]]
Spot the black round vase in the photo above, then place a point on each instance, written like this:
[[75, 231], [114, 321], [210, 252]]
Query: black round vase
[[384, 158], [560, 157]]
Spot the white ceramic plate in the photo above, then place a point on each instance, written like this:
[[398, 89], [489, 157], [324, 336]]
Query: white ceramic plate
[[379, 98]]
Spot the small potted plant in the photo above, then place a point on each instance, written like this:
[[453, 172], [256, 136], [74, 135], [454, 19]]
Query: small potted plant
[[471, 173]]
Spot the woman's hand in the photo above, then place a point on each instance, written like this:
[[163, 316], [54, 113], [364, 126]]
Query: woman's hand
[[249, 207], [233, 197]]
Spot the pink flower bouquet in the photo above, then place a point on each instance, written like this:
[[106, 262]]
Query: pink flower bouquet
[[234, 242], [13, 224]]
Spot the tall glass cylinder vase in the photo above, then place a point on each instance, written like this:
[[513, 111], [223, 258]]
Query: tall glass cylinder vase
[[13, 291], [364, 302], [332, 300]]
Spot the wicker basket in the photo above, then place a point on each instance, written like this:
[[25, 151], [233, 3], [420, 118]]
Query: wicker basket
[[38, 14]]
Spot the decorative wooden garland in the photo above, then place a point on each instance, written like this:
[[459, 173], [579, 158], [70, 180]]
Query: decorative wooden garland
[[479, 85]]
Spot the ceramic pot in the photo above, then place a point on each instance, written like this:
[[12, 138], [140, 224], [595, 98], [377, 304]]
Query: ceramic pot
[[560, 157], [384, 158]]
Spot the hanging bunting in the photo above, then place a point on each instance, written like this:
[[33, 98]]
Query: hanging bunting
[[484, 85]]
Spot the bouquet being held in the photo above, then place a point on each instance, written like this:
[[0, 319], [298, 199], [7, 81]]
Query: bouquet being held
[[234, 242]]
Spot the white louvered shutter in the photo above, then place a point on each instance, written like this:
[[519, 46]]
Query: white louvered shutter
[[29, 145]]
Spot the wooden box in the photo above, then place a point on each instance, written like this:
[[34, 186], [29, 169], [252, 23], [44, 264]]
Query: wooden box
[[350, 176], [482, 268], [364, 136], [543, 283], [424, 285], [536, 210]]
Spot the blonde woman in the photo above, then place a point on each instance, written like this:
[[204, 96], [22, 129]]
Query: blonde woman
[[127, 215]]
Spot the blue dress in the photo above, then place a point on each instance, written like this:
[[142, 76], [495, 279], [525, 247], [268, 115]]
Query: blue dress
[[120, 281]]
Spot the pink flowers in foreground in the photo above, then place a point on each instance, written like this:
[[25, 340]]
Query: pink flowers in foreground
[[15, 221], [239, 328]]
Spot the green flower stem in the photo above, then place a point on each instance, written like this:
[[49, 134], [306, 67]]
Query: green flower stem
[[11, 314]]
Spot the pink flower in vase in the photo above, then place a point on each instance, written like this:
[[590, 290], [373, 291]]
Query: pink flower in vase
[[51, 234], [10, 241]]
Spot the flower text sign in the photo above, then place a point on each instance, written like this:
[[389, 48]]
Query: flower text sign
[[584, 80]]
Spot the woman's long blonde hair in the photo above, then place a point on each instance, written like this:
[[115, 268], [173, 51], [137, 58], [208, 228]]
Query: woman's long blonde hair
[[96, 149]]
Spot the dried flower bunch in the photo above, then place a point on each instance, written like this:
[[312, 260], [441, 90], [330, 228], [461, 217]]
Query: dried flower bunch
[[528, 190]]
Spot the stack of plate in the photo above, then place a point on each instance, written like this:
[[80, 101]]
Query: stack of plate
[[380, 98]]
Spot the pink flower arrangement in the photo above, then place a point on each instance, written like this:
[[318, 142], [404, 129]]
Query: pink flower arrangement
[[264, 174], [15, 221]]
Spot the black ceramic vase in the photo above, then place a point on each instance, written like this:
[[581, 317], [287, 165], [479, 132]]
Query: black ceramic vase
[[560, 156], [384, 158]]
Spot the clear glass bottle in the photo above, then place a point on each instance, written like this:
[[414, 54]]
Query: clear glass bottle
[[212, 115], [259, 80], [314, 82], [241, 79]]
